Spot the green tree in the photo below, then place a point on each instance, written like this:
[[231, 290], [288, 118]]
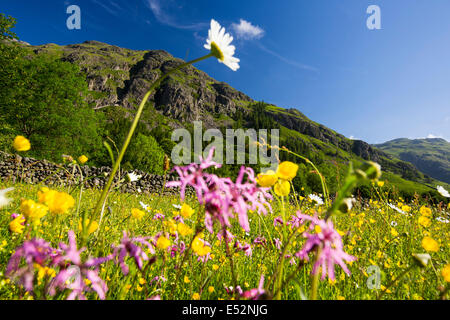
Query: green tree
[[145, 154], [46, 103]]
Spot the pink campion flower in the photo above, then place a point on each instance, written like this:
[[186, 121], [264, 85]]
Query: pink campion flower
[[194, 176], [178, 219], [222, 197], [247, 248], [296, 221], [231, 290], [33, 251], [158, 216], [278, 221], [330, 242], [278, 243], [260, 240], [128, 247], [72, 268], [228, 236], [254, 294], [158, 280]]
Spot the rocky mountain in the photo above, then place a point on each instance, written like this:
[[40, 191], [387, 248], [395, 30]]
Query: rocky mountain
[[431, 156], [118, 78]]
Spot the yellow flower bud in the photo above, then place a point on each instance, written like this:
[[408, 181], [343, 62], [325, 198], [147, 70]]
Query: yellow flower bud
[[21, 144]]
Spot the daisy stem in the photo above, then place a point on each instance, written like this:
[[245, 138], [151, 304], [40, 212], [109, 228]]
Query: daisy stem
[[315, 278], [131, 132]]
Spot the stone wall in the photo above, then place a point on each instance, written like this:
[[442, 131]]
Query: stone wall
[[15, 168]]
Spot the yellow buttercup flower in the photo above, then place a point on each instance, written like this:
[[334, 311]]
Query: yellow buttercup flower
[[287, 170], [32, 210], [199, 246], [426, 212], [196, 296], [267, 179], [406, 208], [186, 279], [430, 244], [210, 289], [83, 159], [16, 225], [394, 232], [57, 202], [184, 230], [21, 144], [424, 221], [137, 214], [162, 243], [380, 183], [92, 228], [282, 188], [186, 211], [446, 272]]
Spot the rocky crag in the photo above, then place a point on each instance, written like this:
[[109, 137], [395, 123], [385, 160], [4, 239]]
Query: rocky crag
[[118, 78]]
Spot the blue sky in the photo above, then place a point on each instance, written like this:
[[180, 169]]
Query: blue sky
[[317, 56]]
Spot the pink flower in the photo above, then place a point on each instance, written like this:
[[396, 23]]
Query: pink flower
[[330, 242], [254, 294], [128, 247], [34, 251], [277, 221], [221, 196], [278, 243], [71, 267]]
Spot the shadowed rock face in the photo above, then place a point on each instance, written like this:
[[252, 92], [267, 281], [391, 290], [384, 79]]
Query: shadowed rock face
[[119, 78]]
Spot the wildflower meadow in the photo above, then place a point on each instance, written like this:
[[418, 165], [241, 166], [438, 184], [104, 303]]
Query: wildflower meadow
[[250, 237]]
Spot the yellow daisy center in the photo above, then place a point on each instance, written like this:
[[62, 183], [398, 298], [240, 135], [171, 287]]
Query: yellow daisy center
[[216, 52]]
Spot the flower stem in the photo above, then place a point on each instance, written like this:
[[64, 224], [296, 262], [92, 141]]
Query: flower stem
[[131, 132], [315, 278]]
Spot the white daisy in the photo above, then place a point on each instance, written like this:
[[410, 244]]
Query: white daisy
[[144, 206], [393, 223], [4, 201], [318, 200], [132, 177], [442, 219], [396, 209], [218, 43], [443, 192]]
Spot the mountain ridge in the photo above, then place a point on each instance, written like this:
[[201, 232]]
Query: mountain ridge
[[429, 155], [118, 78]]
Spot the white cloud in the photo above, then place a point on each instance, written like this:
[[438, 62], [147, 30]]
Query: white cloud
[[246, 31], [291, 62], [432, 136], [163, 17], [114, 12]]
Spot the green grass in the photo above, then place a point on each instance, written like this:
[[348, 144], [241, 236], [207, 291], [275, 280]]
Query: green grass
[[367, 235]]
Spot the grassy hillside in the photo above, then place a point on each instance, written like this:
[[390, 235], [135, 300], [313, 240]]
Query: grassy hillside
[[431, 156], [116, 80]]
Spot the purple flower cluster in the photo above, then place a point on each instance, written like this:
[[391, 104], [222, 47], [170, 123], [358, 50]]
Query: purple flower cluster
[[132, 247], [255, 293], [330, 243], [72, 271], [36, 251], [221, 196]]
